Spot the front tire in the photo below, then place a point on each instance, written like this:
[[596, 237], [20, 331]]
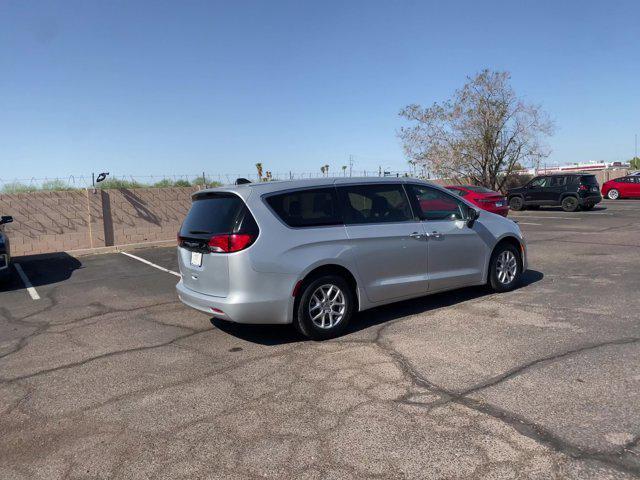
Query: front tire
[[516, 203], [505, 268], [325, 307], [570, 204], [613, 194]]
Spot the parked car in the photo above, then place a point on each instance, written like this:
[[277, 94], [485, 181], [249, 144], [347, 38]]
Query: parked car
[[483, 197], [571, 191], [314, 252], [5, 248], [623, 187]]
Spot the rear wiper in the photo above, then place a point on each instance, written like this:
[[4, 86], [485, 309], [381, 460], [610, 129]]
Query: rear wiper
[[197, 232]]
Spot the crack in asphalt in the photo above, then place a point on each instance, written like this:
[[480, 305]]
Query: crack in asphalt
[[525, 427], [513, 372], [11, 380]]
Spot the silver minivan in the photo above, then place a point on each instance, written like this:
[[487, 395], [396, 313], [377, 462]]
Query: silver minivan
[[314, 252]]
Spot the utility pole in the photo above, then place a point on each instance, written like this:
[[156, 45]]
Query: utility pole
[[635, 155], [350, 165]]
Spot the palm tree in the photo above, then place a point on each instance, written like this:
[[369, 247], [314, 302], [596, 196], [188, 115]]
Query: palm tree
[[259, 168], [326, 169], [323, 169], [344, 170]]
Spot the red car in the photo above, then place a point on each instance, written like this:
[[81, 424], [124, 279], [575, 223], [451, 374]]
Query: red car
[[486, 199], [628, 186]]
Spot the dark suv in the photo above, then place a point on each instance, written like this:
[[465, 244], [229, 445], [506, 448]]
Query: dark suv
[[571, 191], [5, 251]]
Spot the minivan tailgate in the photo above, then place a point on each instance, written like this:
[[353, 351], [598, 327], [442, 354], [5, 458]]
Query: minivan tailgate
[[210, 277]]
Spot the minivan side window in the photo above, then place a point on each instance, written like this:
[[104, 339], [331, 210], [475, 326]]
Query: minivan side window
[[306, 208], [379, 203], [437, 205]]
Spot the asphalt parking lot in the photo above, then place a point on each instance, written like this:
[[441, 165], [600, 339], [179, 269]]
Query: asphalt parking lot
[[107, 375]]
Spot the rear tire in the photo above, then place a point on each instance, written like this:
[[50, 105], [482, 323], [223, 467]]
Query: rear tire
[[613, 194], [588, 206], [505, 268], [516, 203], [570, 204], [325, 307]]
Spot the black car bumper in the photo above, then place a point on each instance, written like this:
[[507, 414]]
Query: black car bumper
[[590, 199]]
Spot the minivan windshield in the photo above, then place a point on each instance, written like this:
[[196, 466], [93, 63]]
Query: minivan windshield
[[212, 213]]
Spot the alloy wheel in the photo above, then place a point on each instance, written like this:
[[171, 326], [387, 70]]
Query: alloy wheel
[[506, 267], [327, 306]]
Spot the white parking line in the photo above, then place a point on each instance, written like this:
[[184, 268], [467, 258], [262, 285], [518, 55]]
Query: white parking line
[[23, 276], [151, 264]]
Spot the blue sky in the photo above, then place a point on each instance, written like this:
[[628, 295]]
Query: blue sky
[[155, 87]]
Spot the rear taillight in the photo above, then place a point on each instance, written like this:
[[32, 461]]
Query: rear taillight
[[583, 188], [230, 243]]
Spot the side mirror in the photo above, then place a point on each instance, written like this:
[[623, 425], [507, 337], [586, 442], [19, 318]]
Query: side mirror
[[472, 216], [6, 219]]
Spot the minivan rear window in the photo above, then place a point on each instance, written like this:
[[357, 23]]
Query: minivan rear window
[[214, 213], [306, 208]]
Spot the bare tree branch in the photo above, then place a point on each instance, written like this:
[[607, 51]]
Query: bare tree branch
[[482, 134]]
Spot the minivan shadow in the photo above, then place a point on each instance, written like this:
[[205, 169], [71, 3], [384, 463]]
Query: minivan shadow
[[270, 335]]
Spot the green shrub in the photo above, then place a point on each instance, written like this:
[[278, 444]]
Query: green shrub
[[113, 183], [199, 182], [18, 187], [56, 185], [182, 183], [165, 182]]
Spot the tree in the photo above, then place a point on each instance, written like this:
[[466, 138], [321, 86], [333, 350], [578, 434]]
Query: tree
[[480, 135], [323, 169], [326, 170], [635, 163], [259, 168], [344, 170]]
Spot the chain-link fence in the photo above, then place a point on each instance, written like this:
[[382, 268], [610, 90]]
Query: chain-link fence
[[115, 180]]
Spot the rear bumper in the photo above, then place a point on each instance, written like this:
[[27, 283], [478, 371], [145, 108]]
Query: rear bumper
[[240, 310], [590, 199]]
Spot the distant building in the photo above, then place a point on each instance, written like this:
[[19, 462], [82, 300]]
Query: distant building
[[578, 167]]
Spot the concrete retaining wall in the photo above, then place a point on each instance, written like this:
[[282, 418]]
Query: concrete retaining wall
[[61, 221]]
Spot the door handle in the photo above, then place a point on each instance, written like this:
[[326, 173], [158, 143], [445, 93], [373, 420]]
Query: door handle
[[434, 235], [416, 235]]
